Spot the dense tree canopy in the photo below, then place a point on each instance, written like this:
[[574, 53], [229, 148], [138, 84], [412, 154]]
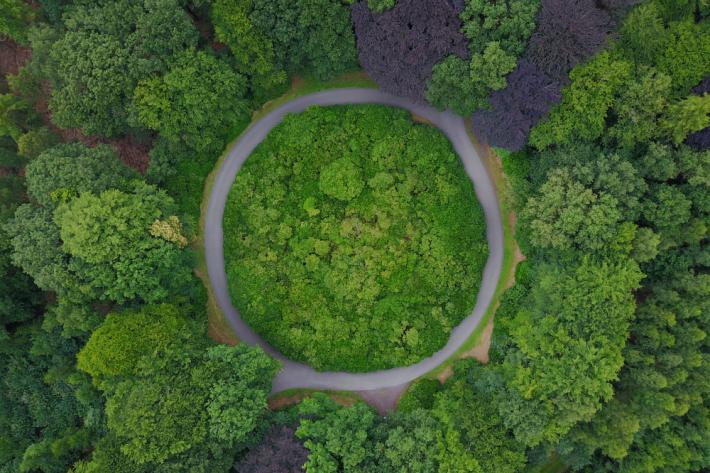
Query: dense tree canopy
[[598, 356], [515, 109], [114, 253], [196, 102], [309, 36], [153, 386], [68, 170], [567, 33], [497, 33], [107, 48], [15, 19], [96, 233], [320, 226]]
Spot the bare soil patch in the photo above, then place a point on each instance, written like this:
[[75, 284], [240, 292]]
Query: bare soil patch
[[12, 56], [131, 152], [280, 401]]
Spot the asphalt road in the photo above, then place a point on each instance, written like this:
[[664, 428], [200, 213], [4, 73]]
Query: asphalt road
[[298, 375]]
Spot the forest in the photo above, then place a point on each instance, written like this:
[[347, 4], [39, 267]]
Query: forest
[[113, 113]]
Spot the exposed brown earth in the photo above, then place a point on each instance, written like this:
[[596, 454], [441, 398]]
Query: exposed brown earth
[[133, 153], [384, 400], [12, 56], [280, 401]]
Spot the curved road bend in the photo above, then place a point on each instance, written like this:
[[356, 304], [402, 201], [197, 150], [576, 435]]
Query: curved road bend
[[299, 375]]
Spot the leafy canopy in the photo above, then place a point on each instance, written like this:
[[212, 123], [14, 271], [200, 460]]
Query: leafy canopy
[[353, 239]]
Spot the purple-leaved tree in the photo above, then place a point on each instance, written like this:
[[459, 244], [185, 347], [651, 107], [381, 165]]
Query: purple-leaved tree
[[279, 452], [517, 108], [398, 48], [568, 32], [700, 140]]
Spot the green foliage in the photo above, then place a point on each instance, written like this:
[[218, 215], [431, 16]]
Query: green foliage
[[36, 247], [420, 395], [336, 436], [35, 142], [354, 240], [114, 350], [341, 180], [272, 38], [459, 430], [639, 89], [472, 423], [108, 47], [451, 86], [498, 32], [582, 114], [253, 50], [662, 380], [378, 6], [566, 215], [509, 22], [567, 347], [68, 170], [199, 102], [313, 37], [15, 116], [44, 424], [16, 16], [686, 54], [113, 253], [687, 116], [154, 389], [639, 107], [673, 43]]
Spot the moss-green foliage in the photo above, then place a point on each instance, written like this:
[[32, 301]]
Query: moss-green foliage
[[197, 103], [353, 239], [16, 15], [419, 395]]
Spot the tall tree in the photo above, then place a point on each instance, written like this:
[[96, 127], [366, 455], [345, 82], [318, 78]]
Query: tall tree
[[152, 394], [567, 33], [567, 347], [399, 48], [114, 254], [311, 37], [198, 102], [107, 48]]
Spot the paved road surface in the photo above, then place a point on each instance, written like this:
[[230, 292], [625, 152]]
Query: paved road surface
[[298, 375]]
